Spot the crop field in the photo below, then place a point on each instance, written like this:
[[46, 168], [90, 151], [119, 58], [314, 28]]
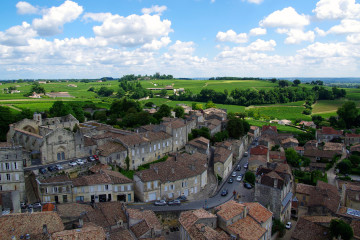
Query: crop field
[[327, 106], [281, 112], [280, 128], [353, 94]]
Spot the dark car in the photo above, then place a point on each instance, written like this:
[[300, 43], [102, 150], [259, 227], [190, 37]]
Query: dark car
[[246, 165], [248, 185], [51, 168], [160, 203], [42, 170], [224, 192], [181, 198], [230, 180], [174, 202], [238, 168]]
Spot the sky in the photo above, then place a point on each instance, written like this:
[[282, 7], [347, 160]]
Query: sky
[[62, 39]]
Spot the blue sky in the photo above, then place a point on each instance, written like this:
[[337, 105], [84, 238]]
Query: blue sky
[[188, 38]]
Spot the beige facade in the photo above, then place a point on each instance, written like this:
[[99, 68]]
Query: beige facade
[[223, 162], [11, 169]]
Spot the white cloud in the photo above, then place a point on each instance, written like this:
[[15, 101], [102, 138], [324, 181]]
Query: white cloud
[[346, 26], [353, 38], [337, 9], [231, 36], [261, 45], [320, 32], [285, 18], [325, 50], [17, 35], [212, 1], [257, 31], [154, 9], [133, 30], [296, 36], [26, 8], [54, 18], [156, 44]]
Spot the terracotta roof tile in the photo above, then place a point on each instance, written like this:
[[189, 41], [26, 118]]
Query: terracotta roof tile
[[56, 179], [121, 234], [267, 127], [277, 155], [304, 188], [19, 224], [73, 210], [306, 230], [200, 142], [140, 228], [28, 133], [247, 229], [221, 154], [148, 215], [258, 212], [330, 131], [230, 210], [259, 150], [356, 228], [110, 148], [84, 233], [188, 218]]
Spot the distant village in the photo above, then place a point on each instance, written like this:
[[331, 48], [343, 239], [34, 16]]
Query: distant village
[[62, 179]]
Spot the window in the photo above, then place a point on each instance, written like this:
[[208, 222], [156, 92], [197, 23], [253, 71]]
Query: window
[[142, 150], [195, 180], [106, 187], [8, 177], [16, 165], [55, 189], [7, 166], [62, 156], [172, 187], [143, 159], [167, 143], [150, 149], [92, 189], [133, 152], [165, 188], [176, 142], [75, 190], [176, 135], [155, 147], [155, 184], [163, 144], [122, 188], [47, 198], [129, 187], [82, 189], [99, 187], [116, 188], [149, 185], [0, 177], [80, 199], [0, 188], [16, 177], [118, 156], [63, 189], [6, 156], [159, 146]]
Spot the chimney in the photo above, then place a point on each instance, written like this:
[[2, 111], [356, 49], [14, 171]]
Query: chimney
[[45, 230], [275, 182]]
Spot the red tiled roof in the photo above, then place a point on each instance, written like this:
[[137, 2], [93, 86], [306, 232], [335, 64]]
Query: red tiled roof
[[330, 131], [259, 150], [247, 228], [304, 188], [230, 210], [148, 215], [258, 212], [352, 135], [221, 154], [306, 230], [90, 232], [267, 127]]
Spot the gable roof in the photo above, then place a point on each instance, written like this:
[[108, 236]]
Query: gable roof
[[87, 232], [109, 148], [268, 127], [188, 218], [307, 228], [229, 210], [147, 215], [247, 228], [258, 212], [259, 150], [330, 131], [200, 142], [221, 154]]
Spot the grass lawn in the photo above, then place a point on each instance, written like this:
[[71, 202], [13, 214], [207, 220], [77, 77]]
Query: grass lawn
[[280, 128], [281, 112]]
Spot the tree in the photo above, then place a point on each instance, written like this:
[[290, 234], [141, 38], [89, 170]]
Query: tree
[[164, 111], [292, 157], [60, 109], [202, 132], [348, 112], [163, 92], [317, 119], [149, 104], [250, 177], [296, 82], [340, 228], [283, 83], [6, 117], [127, 162], [105, 92], [179, 111], [344, 166], [210, 104]]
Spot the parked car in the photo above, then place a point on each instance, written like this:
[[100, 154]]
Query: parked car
[[91, 159], [36, 205], [288, 225], [181, 198], [239, 178], [96, 157], [224, 192], [42, 170], [233, 174], [59, 167], [174, 202], [246, 154], [248, 185], [160, 203], [72, 164], [80, 162], [22, 205], [230, 180], [246, 165], [238, 168], [51, 168]]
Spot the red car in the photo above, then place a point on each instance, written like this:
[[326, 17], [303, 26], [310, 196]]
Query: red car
[[96, 157]]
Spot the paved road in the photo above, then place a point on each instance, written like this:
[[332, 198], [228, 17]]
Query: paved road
[[246, 195]]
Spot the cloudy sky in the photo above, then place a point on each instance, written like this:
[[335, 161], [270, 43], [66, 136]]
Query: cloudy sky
[[187, 38]]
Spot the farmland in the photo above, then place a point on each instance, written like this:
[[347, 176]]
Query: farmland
[[79, 92]]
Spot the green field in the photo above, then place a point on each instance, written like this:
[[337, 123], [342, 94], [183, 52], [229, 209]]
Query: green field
[[280, 112], [280, 128]]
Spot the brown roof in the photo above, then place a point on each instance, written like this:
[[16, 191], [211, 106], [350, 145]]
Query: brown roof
[[262, 158], [306, 229], [7, 145], [325, 195], [259, 150], [72, 210], [102, 177], [88, 141], [298, 148], [247, 228], [28, 133], [333, 146], [355, 148], [121, 234], [221, 154], [188, 218], [155, 136], [96, 168], [330, 131], [304, 188], [258, 212], [289, 140], [19, 224], [175, 168], [113, 212], [147, 215], [174, 123], [110, 148], [56, 179], [140, 228], [277, 155], [204, 232], [90, 232], [229, 210], [200, 142], [356, 228], [352, 135], [319, 153], [267, 127]]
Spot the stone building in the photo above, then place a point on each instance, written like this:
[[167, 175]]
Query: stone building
[[11, 169], [102, 186], [273, 189], [183, 174], [223, 161], [200, 144], [47, 140], [326, 134]]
